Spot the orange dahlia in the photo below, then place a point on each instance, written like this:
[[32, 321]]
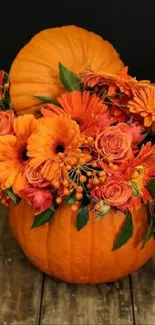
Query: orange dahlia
[[84, 108], [55, 145], [122, 80], [13, 153], [143, 104]]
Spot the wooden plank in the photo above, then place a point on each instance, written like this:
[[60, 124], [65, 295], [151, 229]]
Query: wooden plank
[[143, 287], [20, 282], [86, 304]]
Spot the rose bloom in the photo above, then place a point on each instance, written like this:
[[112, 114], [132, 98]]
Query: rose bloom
[[101, 207], [39, 199], [115, 191], [6, 122], [115, 142], [34, 177]]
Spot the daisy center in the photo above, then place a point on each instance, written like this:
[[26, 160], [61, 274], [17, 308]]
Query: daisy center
[[59, 148], [24, 155], [78, 121]]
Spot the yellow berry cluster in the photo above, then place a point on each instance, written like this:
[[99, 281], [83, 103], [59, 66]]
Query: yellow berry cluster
[[95, 178]]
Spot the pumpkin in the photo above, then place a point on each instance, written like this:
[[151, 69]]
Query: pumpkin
[[35, 69], [84, 256]]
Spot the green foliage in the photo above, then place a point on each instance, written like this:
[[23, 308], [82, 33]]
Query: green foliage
[[126, 232], [44, 217], [82, 217], [69, 79], [48, 100], [83, 213], [151, 229], [71, 199], [12, 196], [151, 188]]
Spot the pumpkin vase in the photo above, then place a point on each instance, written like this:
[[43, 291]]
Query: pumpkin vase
[[84, 256], [77, 163]]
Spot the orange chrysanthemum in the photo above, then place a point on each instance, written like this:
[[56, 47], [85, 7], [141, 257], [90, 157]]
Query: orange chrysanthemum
[[84, 108], [13, 153], [122, 80], [56, 146], [143, 104]]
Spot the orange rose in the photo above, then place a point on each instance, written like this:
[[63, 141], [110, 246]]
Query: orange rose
[[114, 191], [115, 143], [34, 177], [6, 122]]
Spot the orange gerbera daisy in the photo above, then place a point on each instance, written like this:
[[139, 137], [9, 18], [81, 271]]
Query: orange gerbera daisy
[[84, 108], [13, 153], [141, 170], [143, 104], [56, 146], [122, 80]]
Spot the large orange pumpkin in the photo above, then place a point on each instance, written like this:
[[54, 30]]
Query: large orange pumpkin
[[84, 256], [35, 69]]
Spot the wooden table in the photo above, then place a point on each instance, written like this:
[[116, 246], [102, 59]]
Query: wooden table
[[29, 297]]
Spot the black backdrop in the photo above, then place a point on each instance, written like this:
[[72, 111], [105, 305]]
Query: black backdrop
[[129, 25]]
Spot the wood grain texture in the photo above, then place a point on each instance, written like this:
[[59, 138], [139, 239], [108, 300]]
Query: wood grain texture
[[143, 287], [86, 304], [20, 282]]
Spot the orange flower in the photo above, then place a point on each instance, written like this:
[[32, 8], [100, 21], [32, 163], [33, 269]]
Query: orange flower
[[143, 104], [122, 80], [143, 164], [115, 191], [141, 170], [34, 177], [84, 108], [13, 153], [55, 143], [114, 144], [6, 122], [117, 115], [39, 199]]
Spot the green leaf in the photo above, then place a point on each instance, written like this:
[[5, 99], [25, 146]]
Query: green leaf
[[151, 228], [5, 78], [69, 79], [86, 199], [151, 188], [48, 100], [149, 233], [82, 217], [44, 217], [12, 196], [71, 199], [126, 232]]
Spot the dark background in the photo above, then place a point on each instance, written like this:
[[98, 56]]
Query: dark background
[[128, 25]]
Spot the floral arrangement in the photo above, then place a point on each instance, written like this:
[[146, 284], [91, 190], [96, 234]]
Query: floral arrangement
[[91, 148]]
